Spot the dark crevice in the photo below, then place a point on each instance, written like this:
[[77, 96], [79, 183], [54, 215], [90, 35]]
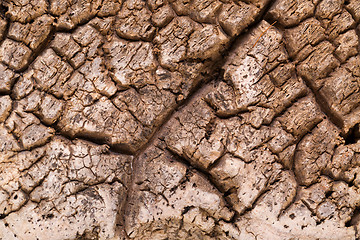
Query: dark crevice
[[355, 218], [186, 209], [260, 195], [209, 128], [94, 138], [328, 194], [202, 172], [353, 135], [295, 199], [324, 105], [98, 140], [3, 10]]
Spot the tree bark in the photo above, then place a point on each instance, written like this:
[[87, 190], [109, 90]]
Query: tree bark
[[179, 119]]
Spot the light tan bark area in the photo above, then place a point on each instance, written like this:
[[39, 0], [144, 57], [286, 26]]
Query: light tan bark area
[[179, 119]]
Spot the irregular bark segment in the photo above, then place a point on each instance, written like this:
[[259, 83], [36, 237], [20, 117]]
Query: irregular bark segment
[[354, 9], [5, 107], [149, 106], [291, 12], [162, 16], [191, 136], [25, 11], [7, 79], [50, 72], [72, 13], [102, 121], [315, 151], [134, 21], [234, 18], [207, 43], [172, 41], [303, 37], [347, 45], [32, 34], [16, 55], [131, 63], [327, 9], [319, 63], [301, 117], [65, 45]]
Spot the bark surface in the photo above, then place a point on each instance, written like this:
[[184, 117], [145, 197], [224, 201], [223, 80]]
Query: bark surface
[[179, 119]]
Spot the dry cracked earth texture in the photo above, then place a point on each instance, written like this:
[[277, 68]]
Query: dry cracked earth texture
[[179, 119]]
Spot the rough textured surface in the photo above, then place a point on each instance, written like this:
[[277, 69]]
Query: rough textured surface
[[179, 119]]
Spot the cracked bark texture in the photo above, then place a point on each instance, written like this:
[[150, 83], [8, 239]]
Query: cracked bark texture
[[179, 119]]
